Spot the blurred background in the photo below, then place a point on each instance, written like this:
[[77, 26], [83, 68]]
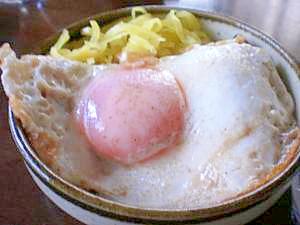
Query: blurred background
[[28, 21], [24, 23]]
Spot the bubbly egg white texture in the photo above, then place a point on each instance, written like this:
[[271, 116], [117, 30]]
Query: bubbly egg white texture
[[238, 108]]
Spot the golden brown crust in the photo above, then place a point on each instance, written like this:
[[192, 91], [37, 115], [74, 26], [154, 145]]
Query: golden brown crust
[[45, 146], [39, 88], [294, 138], [291, 153]]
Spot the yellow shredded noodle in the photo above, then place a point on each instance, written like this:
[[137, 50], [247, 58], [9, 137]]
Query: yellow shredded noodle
[[142, 33]]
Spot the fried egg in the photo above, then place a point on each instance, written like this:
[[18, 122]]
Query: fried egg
[[187, 131]]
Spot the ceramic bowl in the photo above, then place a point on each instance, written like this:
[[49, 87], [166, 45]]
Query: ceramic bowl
[[92, 209]]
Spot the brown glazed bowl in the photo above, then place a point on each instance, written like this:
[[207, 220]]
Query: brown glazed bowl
[[92, 209]]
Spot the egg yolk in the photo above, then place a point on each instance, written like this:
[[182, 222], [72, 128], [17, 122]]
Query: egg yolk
[[129, 115]]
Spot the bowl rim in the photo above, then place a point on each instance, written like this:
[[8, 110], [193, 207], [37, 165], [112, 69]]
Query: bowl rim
[[121, 211]]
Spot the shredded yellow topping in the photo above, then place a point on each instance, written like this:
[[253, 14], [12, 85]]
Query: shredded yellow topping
[[142, 33]]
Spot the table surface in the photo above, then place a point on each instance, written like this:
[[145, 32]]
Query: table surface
[[23, 25]]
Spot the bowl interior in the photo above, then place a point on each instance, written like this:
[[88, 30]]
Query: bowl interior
[[219, 27]]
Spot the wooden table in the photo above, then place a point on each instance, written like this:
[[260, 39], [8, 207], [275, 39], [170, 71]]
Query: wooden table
[[21, 202]]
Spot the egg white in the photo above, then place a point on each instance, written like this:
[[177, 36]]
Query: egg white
[[238, 108]]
